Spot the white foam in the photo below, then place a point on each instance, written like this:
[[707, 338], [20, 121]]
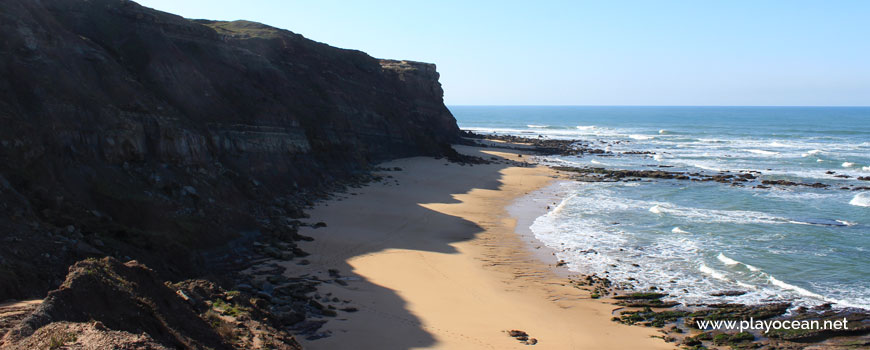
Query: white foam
[[759, 151], [713, 140], [658, 157], [662, 132], [705, 167], [640, 137], [793, 288], [866, 168], [585, 127], [731, 262], [713, 273], [811, 153], [798, 195], [777, 144], [726, 260], [537, 126], [712, 215], [746, 285], [848, 164], [861, 199], [819, 160], [805, 223], [558, 209], [588, 223], [595, 162]]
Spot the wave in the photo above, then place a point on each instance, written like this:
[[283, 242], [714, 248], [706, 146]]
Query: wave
[[712, 273], [537, 126], [823, 222], [866, 168], [641, 137], [758, 151], [797, 195], [861, 199], [811, 153], [664, 132], [658, 157], [561, 206], [677, 229], [726, 260], [585, 127], [848, 164], [713, 215], [702, 166], [731, 262], [793, 288], [676, 258]]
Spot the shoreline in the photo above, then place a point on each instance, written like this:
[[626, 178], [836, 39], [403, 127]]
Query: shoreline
[[440, 263], [674, 319], [529, 207]]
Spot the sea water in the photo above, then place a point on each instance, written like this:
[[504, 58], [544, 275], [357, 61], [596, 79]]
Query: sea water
[[806, 245]]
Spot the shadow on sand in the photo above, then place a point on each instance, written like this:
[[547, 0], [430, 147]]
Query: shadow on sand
[[386, 216]]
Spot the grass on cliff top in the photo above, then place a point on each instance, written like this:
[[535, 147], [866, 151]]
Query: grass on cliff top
[[242, 29]]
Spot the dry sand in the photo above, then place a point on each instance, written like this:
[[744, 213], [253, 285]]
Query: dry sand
[[434, 262]]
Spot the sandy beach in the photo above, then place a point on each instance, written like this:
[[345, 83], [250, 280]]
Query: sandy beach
[[432, 259]]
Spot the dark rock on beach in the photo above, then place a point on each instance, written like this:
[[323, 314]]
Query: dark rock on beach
[[728, 293], [128, 304], [539, 145]]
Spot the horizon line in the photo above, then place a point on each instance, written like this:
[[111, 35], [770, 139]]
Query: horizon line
[[570, 105]]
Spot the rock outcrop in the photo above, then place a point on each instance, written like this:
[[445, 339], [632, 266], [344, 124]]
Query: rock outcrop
[[107, 304], [143, 135]]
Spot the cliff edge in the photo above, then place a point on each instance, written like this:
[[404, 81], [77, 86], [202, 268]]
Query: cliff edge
[[138, 134]]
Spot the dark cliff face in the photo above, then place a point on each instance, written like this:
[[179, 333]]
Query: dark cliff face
[[131, 132]]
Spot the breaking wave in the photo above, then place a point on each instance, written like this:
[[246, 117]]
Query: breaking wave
[[861, 199]]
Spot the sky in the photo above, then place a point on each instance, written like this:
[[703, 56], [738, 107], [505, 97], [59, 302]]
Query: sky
[[751, 53]]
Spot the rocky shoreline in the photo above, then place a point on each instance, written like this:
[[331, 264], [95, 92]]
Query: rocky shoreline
[[678, 322]]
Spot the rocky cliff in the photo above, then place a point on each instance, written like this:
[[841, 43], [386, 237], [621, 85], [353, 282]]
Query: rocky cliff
[[138, 134]]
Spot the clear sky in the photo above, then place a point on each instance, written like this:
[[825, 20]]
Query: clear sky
[[606, 52]]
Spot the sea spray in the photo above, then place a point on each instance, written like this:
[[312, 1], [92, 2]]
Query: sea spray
[[861, 199]]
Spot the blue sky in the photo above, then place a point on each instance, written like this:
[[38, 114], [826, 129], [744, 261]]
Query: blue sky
[[596, 52]]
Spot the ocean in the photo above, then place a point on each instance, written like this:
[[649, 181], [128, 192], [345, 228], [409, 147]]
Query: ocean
[[806, 245]]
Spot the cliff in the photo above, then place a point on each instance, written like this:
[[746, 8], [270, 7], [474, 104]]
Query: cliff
[[138, 134]]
